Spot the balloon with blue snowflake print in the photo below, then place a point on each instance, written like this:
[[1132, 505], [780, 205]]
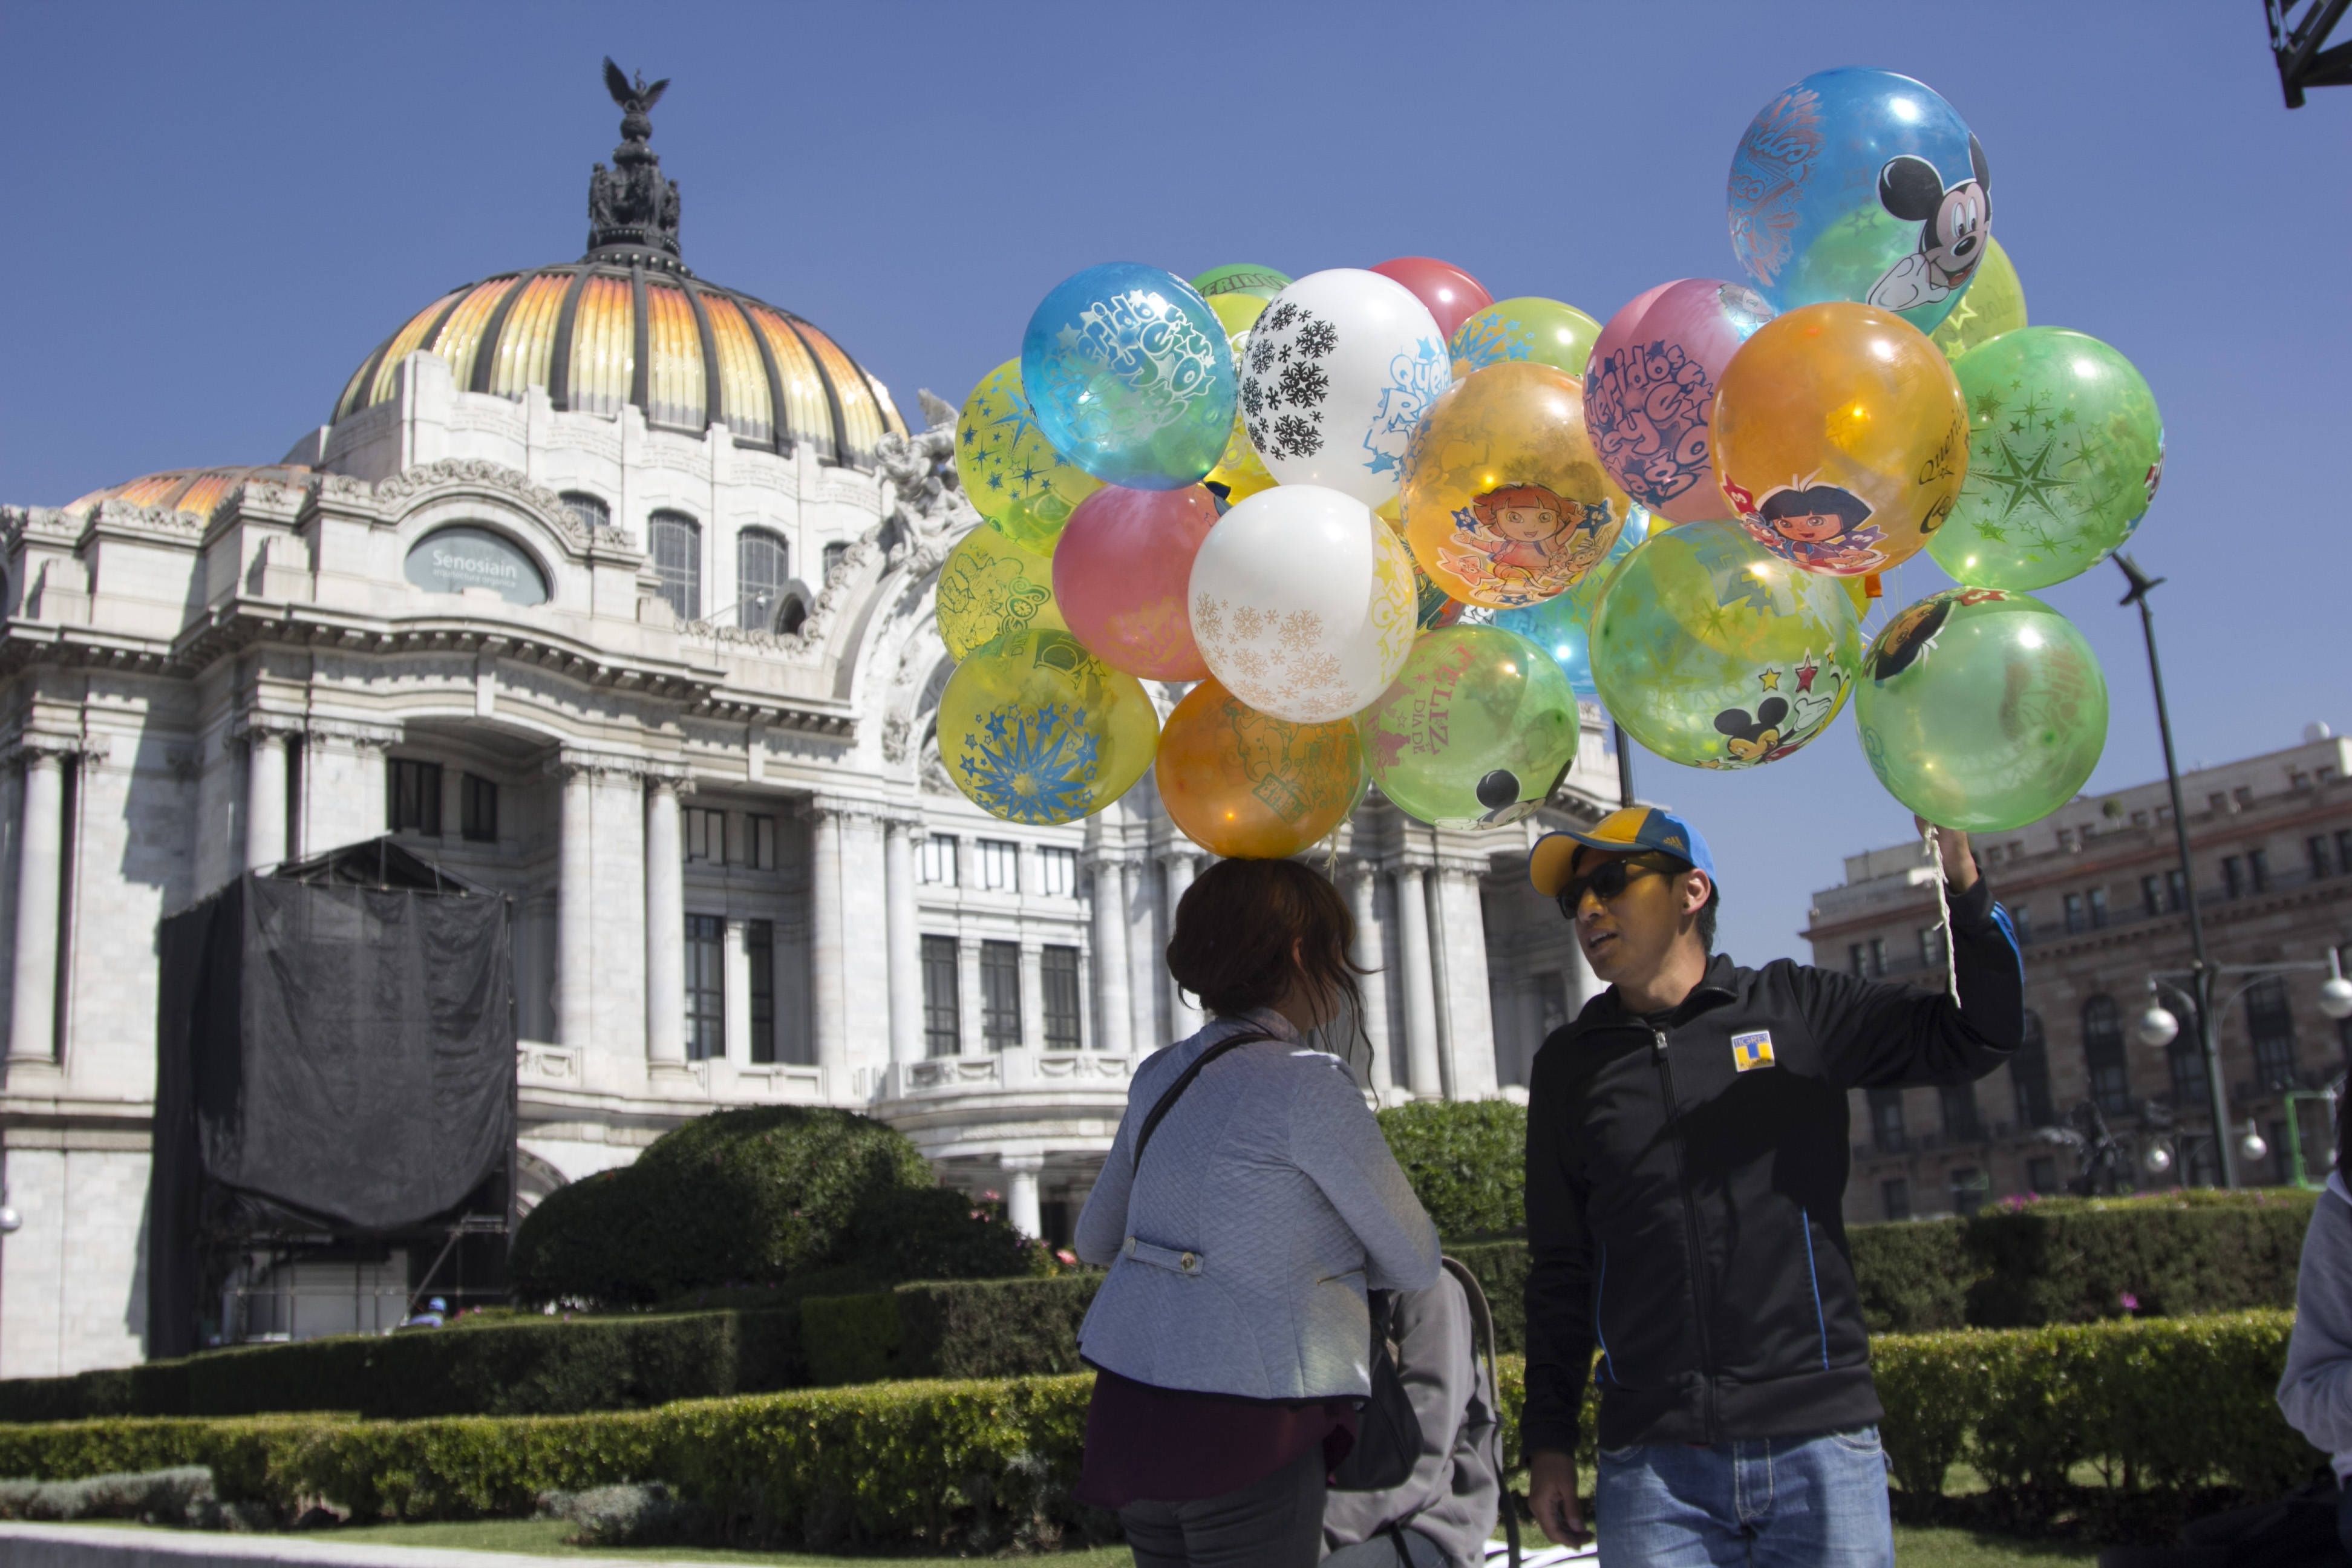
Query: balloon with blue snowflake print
[[1034, 728], [1129, 375]]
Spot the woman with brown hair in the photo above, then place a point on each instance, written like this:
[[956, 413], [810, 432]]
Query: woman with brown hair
[[1242, 1221]]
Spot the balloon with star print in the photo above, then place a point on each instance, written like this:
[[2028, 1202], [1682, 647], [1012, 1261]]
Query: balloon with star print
[[1034, 728], [1714, 652], [2065, 446], [1010, 471], [1994, 304], [1476, 730]]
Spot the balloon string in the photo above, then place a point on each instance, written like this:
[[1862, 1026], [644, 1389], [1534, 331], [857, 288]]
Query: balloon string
[[1944, 914]]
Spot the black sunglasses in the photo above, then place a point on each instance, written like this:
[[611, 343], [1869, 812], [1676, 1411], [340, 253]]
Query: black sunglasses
[[1610, 881]]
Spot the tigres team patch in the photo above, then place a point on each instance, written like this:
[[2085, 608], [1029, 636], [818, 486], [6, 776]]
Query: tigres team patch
[[1752, 1050]]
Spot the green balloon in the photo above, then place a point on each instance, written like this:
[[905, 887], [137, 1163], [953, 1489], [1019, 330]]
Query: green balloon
[[2064, 451], [1714, 652], [1528, 327], [1241, 278], [1476, 730], [1993, 304], [1981, 710]]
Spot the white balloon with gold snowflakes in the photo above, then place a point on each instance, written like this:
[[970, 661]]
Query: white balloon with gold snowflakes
[[1303, 604]]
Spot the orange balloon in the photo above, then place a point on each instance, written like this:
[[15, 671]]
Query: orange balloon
[[1841, 438], [1248, 786]]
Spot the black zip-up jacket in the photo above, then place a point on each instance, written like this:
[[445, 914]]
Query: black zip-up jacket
[[1684, 1214]]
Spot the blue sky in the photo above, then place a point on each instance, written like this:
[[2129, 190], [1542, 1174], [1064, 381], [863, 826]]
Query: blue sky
[[218, 211]]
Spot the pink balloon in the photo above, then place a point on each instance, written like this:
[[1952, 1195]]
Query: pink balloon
[[1122, 570], [1649, 389], [1452, 295]]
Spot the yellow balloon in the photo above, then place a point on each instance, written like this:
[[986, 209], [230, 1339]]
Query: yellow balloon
[[1010, 471], [1241, 471], [1505, 503], [1994, 304], [1032, 728], [1841, 438], [990, 585]]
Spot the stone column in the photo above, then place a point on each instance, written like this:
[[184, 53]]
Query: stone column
[[1146, 966], [1583, 985], [971, 1039], [829, 994], [1021, 1173], [1361, 880], [1114, 1027], [40, 886], [664, 927], [1468, 1004], [906, 946], [1178, 867], [1420, 980], [1032, 996], [739, 993], [575, 907], [265, 798]]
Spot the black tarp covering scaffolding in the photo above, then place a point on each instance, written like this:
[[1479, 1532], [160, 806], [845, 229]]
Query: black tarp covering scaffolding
[[335, 1059]]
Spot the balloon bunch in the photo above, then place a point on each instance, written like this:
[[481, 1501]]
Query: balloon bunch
[[1393, 527]]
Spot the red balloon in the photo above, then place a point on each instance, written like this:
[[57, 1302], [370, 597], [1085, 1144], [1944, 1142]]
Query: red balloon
[[1123, 569], [1452, 295]]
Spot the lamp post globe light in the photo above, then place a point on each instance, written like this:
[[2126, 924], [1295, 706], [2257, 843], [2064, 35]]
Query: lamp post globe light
[[11, 1221], [2157, 1028], [2158, 1159], [2253, 1145]]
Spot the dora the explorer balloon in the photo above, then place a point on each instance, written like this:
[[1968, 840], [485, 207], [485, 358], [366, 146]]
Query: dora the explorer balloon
[[1530, 537], [1821, 528]]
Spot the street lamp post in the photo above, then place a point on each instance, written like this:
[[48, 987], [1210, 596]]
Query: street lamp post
[[2158, 1028], [2201, 984]]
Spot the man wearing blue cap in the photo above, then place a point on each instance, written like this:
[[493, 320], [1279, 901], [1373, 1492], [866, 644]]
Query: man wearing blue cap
[[1687, 1166]]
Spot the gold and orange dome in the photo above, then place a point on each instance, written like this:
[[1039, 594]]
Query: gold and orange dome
[[195, 491]]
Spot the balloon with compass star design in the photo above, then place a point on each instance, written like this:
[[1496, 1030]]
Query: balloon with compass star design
[[2065, 446]]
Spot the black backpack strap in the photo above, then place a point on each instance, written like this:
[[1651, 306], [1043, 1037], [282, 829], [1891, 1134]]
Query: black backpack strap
[[1167, 1100], [1482, 1315]]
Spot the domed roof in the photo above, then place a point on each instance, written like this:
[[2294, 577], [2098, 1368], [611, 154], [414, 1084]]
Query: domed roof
[[192, 490], [628, 324]]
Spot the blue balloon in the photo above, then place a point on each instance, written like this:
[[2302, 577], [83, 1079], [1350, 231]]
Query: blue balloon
[[1863, 185], [1128, 371], [1561, 625]]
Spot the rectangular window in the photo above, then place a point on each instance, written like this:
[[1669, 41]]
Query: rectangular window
[[832, 554], [2151, 896], [2074, 917], [1060, 966], [2098, 908], [706, 836], [1894, 1195], [415, 798], [1931, 946], [759, 841], [2344, 851], [2316, 847], [2270, 1019], [2042, 1174], [2029, 1075], [706, 987], [1000, 995], [940, 860], [2243, 795], [2176, 890], [942, 1019], [1959, 1107], [760, 947], [2188, 1064], [1886, 1120], [2022, 919], [1970, 1190], [1057, 873], [1878, 955], [999, 866], [2258, 869], [1854, 956], [477, 803], [2217, 803], [2233, 876]]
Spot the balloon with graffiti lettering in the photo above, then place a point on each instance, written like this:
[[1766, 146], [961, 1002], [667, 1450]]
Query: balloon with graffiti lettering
[[1130, 377], [1123, 574], [1981, 710], [1649, 389], [2065, 448], [1249, 786], [1563, 625], [1865, 186], [1240, 473], [1714, 652], [1524, 327], [1452, 295], [1841, 438], [991, 584], [1303, 604], [1011, 473], [1241, 278], [1034, 728], [1505, 502], [1477, 729], [1994, 304], [1339, 370]]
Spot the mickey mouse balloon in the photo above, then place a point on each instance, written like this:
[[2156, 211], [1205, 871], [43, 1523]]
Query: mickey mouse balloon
[[1865, 186]]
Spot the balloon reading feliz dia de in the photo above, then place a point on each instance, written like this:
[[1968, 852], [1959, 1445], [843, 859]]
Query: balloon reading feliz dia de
[[1371, 526]]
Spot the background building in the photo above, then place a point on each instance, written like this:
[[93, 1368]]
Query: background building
[[2096, 892], [610, 590]]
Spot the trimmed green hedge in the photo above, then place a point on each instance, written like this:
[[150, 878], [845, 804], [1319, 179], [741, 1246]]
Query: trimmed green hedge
[[979, 1466], [962, 1329], [1466, 1160]]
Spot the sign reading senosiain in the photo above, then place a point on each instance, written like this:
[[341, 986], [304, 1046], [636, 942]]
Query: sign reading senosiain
[[457, 558]]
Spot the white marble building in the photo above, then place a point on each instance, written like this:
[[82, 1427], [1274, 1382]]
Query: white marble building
[[611, 589]]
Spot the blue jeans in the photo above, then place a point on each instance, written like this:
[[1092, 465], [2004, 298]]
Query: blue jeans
[[1758, 1502]]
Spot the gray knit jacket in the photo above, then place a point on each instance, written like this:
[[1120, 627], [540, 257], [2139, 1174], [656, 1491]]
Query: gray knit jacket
[[2315, 1394], [1268, 1203]]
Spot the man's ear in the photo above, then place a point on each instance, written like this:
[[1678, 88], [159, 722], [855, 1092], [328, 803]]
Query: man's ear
[[1698, 888]]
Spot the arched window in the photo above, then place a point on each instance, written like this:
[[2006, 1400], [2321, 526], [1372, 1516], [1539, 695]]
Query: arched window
[[589, 512], [678, 559], [2102, 1053], [2029, 1075], [792, 616], [760, 579]]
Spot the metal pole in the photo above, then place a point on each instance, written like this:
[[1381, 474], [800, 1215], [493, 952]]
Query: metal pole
[[1624, 765], [2208, 1037]]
